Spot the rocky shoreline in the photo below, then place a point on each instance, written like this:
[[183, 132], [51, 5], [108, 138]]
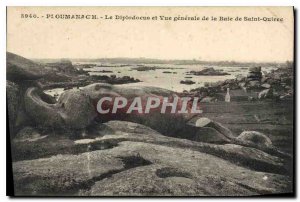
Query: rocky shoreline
[[275, 85], [60, 74], [125, 158]]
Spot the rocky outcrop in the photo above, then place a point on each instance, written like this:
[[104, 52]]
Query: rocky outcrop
[[254, 74], [63, 66], [122, 158], [74, 109], [276, 85], [187, 82], [176, 172], [103, 71], [77, 109], [17, 115], [256, 138], [64, 152], [112, 79], [143, 68], [23, 74], [208, 72], [19, 68], [13, 100], [54, 75]]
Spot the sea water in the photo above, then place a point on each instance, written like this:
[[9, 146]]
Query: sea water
[[158, 78]]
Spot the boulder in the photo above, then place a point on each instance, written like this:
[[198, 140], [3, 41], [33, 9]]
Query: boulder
[[254, 84], [208, 99], [267, 93], [255, 137], [266, 85], [286, 96]]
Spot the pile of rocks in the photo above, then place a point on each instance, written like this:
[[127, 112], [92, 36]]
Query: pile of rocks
[[280, 81], [254, 74], [277, 84], [254, 77]]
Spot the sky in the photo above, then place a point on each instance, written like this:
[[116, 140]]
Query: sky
[[244, 41]]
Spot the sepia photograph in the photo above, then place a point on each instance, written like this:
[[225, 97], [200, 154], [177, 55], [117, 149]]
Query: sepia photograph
[[150, 101]]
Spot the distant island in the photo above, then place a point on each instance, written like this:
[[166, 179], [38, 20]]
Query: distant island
[[160, 61]]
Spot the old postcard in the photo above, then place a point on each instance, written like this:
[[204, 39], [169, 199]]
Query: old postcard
[[151, 101]]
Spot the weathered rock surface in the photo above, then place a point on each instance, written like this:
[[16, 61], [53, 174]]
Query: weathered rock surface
[[15, 106], [19, 68], [26, 135], [54, 75], [13, 100], [73, 109], [255, 137], [179, 172], [124, 158]]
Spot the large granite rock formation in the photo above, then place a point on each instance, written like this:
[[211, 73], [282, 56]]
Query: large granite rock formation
[[19, 68], [122, 158]]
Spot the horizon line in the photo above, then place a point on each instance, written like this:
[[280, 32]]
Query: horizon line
[[158, 59]]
